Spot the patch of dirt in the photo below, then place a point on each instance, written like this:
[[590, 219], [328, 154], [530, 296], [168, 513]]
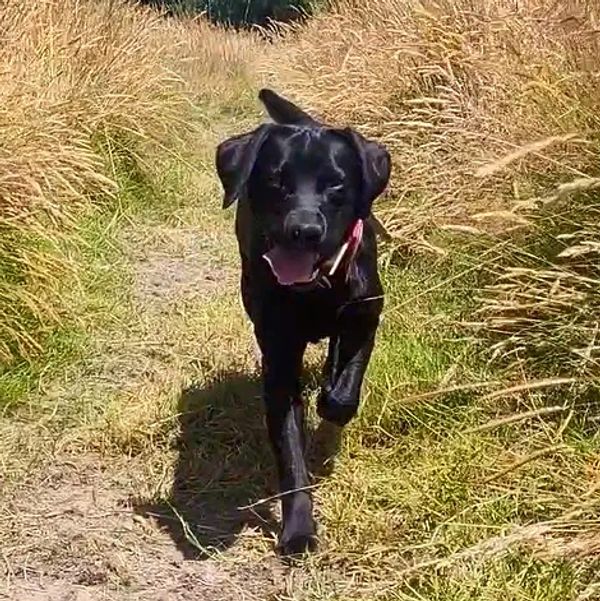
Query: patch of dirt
[[181, 263], [70, 528], [76, 537]]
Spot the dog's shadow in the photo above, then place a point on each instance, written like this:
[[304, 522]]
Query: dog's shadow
[[224, 466]]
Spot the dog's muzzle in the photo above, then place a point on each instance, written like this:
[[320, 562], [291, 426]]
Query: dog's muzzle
[[305, 268]]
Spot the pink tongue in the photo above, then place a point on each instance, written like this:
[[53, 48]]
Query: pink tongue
[[291, 266]]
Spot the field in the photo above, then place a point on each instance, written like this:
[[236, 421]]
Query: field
[[133, 458]]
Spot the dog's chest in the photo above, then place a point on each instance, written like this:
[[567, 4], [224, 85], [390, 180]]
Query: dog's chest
[[316, 317]]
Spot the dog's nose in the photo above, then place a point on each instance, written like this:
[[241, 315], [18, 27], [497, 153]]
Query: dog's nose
[[307, 232], [305, 227]]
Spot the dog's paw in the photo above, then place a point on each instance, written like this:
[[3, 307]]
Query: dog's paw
[[334, 410], [296, 543]]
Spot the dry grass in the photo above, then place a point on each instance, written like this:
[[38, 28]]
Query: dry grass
[[75, 75], [459, 480], [83, 86], [450, 87], [542, 306], [216, 65], [491, 113]]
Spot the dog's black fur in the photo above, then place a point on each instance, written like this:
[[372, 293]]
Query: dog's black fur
[[301, 185]]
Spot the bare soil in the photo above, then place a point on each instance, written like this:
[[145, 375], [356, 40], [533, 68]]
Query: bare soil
[[79, 537], [180, 263]]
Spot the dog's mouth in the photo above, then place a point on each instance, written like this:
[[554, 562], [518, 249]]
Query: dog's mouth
[[291, 266], [294, 267]]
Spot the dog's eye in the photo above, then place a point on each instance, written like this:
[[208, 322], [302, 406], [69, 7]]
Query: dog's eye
[[280, 180], [336, 193]]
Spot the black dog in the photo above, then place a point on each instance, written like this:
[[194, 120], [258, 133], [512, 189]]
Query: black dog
[[309, 271]]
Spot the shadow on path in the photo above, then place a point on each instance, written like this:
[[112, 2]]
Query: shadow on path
[[224, 462]]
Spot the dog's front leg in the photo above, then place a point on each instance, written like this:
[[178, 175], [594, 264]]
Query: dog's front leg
[[348, 357], [282, 366]]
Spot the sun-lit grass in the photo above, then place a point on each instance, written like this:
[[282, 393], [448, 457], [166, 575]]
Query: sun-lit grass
[[481, 413], [88, 89], [490, 111], [74, 74], [432, 496], [472, 470], [450, 87]]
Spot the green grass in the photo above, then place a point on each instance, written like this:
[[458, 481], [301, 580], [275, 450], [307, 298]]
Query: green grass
[[84, 294], [94, 291], [514, 578], [428, 497], [418, 503], [417, 490], [63, 346]]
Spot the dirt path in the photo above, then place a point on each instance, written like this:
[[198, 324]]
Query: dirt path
[[136, 496], [81, 538]]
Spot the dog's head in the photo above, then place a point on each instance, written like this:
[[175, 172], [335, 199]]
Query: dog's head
[[307, 184]]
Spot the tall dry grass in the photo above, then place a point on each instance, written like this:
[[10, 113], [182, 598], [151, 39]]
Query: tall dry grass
[[79, 80], [492, 113], [74, 74], [450, 86]]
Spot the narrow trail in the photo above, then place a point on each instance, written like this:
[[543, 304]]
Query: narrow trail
[[135, 461]]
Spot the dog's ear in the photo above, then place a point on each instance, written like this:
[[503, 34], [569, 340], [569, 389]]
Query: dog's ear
[[376, 169], [235, 160], [282, 110]]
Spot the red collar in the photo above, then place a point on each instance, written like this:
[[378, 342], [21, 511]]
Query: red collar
[[346, 251]]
